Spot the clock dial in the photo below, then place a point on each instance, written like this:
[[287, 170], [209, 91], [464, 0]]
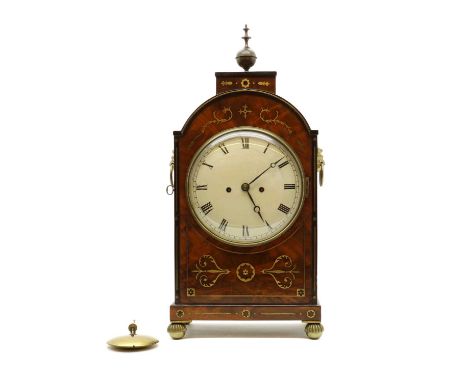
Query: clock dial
[[245, 186]]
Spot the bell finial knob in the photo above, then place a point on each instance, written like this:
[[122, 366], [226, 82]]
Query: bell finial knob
[[246, 57], [132, 328]]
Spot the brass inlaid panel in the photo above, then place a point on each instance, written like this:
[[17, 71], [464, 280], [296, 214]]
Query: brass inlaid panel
[[217, 120], [265, 116], [282, 271], [208, 272]]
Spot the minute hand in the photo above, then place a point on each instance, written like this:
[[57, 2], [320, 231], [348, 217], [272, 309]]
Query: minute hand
[[264, 171]]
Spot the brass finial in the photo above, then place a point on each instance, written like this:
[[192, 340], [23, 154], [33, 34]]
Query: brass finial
[[246, 37], [132, 328], [246, 57]]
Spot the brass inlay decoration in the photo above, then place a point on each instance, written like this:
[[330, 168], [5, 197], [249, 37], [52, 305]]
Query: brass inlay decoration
[[180, 313], [208, 272], [245, 110], [245, 272], [215, 121], [246, 313], [310, 313], [245, 83], [263, 83], [226, 83], [300, 293], [282, 271], [190, 292], [264, 117]]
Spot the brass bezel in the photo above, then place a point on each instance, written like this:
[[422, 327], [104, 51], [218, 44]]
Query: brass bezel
[[211, 142]]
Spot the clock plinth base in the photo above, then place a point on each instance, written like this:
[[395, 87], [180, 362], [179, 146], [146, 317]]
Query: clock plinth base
[[314, 330], [181, 315], [177, 330]]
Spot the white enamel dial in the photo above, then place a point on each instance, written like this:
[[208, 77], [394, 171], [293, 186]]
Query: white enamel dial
[[245, 186]]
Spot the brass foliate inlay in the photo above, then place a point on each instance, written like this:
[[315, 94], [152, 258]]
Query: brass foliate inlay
[[282, 271], [266, 115], [208, 272], [218, 118]]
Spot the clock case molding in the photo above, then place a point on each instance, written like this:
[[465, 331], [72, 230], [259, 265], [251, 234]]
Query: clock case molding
[[218, 281]]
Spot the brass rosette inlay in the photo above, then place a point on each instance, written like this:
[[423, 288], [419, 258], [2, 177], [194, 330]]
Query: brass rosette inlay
[[245, 272], [246, 313], [245, 83]]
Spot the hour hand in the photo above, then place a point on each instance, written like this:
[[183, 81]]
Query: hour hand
[[245, 187], [257, 210]]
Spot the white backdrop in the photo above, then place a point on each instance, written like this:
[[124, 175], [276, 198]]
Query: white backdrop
[[90, 92]]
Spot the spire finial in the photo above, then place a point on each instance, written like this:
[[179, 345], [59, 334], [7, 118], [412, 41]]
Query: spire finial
[[246, 36], [246, 57]]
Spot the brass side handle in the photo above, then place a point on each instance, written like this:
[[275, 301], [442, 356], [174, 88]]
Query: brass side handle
[[320, 165], [170, 187]]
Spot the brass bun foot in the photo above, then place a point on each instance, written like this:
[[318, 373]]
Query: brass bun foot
[[177, 330], [314, 330]]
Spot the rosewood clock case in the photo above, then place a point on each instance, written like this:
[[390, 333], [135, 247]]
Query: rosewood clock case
[[219, 281]]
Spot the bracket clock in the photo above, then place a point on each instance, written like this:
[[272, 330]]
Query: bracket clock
[[245, 186]]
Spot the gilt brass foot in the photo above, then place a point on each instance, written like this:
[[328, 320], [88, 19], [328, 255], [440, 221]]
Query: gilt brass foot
[[177, 330], [314, 330]]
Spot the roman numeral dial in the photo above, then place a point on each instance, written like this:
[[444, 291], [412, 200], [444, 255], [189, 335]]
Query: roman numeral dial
[[284, 209], [223, 148], [245, 187], [207, 208]]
